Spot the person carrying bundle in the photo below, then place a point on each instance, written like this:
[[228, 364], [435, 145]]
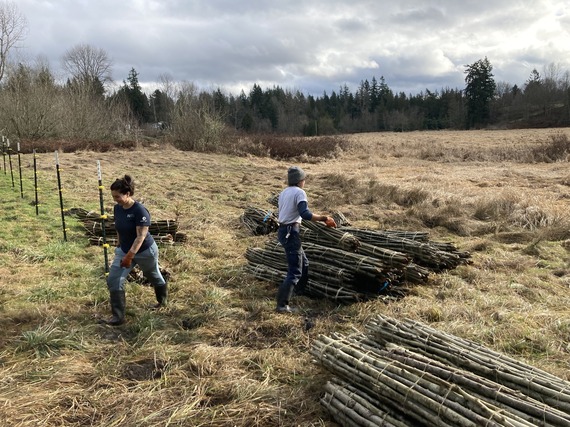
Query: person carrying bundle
[[293, 208]]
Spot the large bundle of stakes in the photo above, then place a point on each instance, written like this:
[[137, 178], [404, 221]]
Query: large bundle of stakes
[[349, 264], [403, 373], [163, 231]]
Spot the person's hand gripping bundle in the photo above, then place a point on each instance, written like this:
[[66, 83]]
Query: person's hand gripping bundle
[[127, 259], [330, 222]]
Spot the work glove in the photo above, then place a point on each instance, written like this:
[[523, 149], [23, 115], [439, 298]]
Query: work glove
[[127, 259], [329, 222]]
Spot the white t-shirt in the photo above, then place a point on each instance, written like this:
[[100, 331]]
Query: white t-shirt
[[289, 199]]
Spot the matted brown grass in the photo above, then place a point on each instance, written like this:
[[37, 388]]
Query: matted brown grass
[[219, 355]]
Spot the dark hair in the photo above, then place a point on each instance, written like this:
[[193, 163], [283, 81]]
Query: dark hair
[[124, 185]]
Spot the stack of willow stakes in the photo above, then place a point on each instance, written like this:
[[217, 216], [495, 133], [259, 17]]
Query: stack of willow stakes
[[348, 264], [163, 231], [403, 373]]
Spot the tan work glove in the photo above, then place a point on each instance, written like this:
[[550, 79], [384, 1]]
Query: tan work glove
[[127, 259]]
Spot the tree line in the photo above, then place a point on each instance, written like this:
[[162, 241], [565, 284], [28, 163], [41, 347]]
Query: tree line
[[33, 104], [543, 101]]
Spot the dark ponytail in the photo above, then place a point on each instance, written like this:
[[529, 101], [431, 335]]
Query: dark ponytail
[[124, 185]]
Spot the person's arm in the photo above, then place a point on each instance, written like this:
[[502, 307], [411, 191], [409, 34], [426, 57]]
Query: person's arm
[[309, 216], [319, 218], [128, 258], [142, 231]]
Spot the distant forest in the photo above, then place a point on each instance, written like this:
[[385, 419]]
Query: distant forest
[[543, 101], [35, 105]]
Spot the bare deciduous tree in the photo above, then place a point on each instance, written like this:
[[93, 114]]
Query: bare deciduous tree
[[87, 63], [195, 125], [30, 102], [13, 29], [167, 85]]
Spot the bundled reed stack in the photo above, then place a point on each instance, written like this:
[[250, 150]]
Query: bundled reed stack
[[258, 221], [349, 264], [435, 256], [163, 231], [401, 373], [342, 276]]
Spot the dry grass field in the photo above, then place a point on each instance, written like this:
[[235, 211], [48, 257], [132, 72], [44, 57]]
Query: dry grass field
[[219, 355]]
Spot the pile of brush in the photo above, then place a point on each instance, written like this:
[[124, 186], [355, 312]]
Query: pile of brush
[[403, 373], [163, 231], [348, 264]]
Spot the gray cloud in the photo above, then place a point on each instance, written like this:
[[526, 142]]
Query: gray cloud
[[311, 46]]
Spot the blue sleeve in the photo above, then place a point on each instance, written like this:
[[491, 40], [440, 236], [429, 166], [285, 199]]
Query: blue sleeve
[[304, 211], [142, 217]]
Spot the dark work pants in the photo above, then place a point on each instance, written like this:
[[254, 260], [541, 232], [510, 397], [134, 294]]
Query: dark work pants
[[297, 264]]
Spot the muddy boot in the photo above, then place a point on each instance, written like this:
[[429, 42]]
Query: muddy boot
[[161, 293], [117, 308]]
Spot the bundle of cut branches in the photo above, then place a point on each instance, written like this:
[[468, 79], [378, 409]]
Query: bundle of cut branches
[[314, 287], [361, 265], [419, 236], [398, 245], [340, 219], [95, 228], [377, 261], [83, 214], [259, 221], [434, 255], [379, 383], [324, 236], [365, 409], [337, 236], [361, 280], [273, 200], [163, 231], [161, 239], [467, 355]]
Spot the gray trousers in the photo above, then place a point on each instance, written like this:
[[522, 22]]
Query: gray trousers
[[147, 260]]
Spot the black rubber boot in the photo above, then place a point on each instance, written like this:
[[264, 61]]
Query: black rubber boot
[[284, 294], [161, 293], [118, 302]]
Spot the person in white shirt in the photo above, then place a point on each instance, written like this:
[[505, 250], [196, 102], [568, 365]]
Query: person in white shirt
[[293, 208]]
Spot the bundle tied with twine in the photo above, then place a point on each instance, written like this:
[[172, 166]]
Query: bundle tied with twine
[[163, 231], [401, 373], [350, 264], [342, 276]]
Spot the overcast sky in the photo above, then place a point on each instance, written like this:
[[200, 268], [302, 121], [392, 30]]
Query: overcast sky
[[307, 45]]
